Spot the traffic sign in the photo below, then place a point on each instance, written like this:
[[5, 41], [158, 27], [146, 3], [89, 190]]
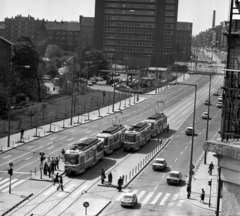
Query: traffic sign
[[86, 204], [10, 164], [192, 166]]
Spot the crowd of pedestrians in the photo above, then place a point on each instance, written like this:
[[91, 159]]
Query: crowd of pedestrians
[[51, 165]]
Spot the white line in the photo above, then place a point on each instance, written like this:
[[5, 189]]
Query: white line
[[76, 133], [156, 198], [181, 152], [31, 146], [170, 166], [7, 184], [72, 130], [156, 187], [70, 139], [176, 159], [1, 182], [67, 189], [53, 138], [104, 122], [175, 196], [141, 194], [186, 147], [163, 175], [50, 143], [50, 147], [147, 198], [70, 143], [62, 137], [94, 126], [164, 199], [49, 191], [7, 156], [121, 195], [180, 202], [88, 131], [14, 185], [28, 158]]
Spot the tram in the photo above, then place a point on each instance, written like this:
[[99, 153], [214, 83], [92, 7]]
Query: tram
[[84, 154], [137, 136], [158, 123], [113, 137]]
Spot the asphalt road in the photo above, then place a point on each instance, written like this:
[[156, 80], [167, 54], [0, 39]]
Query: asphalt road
[[26, 157]]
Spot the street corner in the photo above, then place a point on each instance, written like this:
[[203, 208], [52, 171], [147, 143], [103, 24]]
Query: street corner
[[88, 204]]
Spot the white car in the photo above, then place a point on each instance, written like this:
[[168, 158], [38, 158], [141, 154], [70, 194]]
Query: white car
[[174, 177], [215, 93], [159, 164], [207, 102], [219, 104], [90, 83], [205, 115], [129, 199], [189, 131]]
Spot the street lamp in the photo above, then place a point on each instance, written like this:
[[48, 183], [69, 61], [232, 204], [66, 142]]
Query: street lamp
[[191, 167], [10, 99]]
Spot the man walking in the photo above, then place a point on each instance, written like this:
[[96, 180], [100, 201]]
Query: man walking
[[210, 168], [22, 133], [103, 176], [60, 183], [202, 195], [120, 184], [63, 154], [110, 178], [56, 179]]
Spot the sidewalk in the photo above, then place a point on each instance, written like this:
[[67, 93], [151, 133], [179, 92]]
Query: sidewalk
[[45, 130], [200, 181], [163, 88]]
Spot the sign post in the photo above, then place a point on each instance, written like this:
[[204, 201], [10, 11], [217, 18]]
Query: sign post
[[86, 204]]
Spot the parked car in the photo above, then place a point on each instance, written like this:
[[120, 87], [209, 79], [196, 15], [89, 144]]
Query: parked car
[[215, 93], [205, 115], [174, 177], [159, 164], [219, 104], [99, 78], [93, 80], [207, 102], [129, 199], [90, 83], [190, 131]]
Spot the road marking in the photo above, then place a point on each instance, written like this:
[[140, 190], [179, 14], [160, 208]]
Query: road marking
[[31, 146], [175, 196], [181, 152], [76, 133], [180, 202], [50, 143], [88, 131], [121, 195], [28, 158], [70, 143], [67, 189], [141, 194], [163, 175], [164, 199], [50, 147], [186, 147], [7, 156], [177, 135], [1, 182], [104, 122], [62, 137], [53, 138], [14, 185], [156, 187], [7, 184], [94, 126], [70, 139], [79, 191], [156, 198], [72, 130], [49, 191], [200, 133], [176, 159], [147, 198]]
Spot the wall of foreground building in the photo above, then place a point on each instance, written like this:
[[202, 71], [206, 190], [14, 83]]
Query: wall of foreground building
[[229, 162]]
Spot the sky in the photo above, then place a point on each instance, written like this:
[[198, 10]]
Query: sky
[[199, 12]]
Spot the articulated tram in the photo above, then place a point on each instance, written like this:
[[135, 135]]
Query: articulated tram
[[84, 154], [113, 138], [137, 136], [158, 123]]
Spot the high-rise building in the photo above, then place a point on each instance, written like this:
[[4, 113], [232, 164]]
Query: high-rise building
[[87, 32], [125, 28]]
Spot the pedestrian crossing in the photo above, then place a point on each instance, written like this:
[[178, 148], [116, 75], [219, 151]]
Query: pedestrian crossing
[[4, 184]]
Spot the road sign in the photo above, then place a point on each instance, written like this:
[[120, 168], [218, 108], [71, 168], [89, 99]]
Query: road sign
[[86, 204], [10, 164], [192, 166]]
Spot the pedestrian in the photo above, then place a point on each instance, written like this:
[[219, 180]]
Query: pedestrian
[[60, 183], [103, 176], [21, 134], [120, 184], [63, 154], [167, 128], [56, 179], [57, 163], [52, 167], [54, 163], [45, 168], [49, 171], [110, 177], [210, 168], [202, 195], [53, 88]]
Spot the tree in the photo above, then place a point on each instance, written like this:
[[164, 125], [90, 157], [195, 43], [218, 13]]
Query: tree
[[53, 51], [42, 46]]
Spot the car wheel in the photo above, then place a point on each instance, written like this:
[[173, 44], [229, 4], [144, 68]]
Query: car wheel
[[154, 169]]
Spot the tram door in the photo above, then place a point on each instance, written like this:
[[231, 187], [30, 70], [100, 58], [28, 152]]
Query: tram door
[[111, 144], [94, 156], [82, 164]]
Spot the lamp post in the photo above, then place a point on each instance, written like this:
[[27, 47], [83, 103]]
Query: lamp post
[[10, 99], [113, 89], [191, 167]]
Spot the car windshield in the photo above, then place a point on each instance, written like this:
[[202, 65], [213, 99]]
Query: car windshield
[[174, 175], [127, 197], [189, 129], [159, 162]]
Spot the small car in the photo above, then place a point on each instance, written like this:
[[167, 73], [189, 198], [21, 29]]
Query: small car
[[90, 83], [219, 104], [94, 81], [174, 177], [205, 115], [159, 164], [129, 199], [207, 102], [189, 131], [215, 93]]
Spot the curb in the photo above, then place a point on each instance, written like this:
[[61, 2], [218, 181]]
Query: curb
[[109, 114], [17, 204], [104, 208]]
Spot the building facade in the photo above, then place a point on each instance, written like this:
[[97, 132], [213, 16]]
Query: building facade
[[136, 28], [183, 41], [87, 32], [2, 29]]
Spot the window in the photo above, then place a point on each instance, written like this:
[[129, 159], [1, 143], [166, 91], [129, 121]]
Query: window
[[170, 7], [169, 13], [170, 1]]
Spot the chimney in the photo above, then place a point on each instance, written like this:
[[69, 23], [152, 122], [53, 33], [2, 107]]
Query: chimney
[[213, 21], [80, 19]]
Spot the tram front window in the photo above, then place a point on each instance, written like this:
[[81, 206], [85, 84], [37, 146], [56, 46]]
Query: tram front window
[[71, 159], [130, 138]]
